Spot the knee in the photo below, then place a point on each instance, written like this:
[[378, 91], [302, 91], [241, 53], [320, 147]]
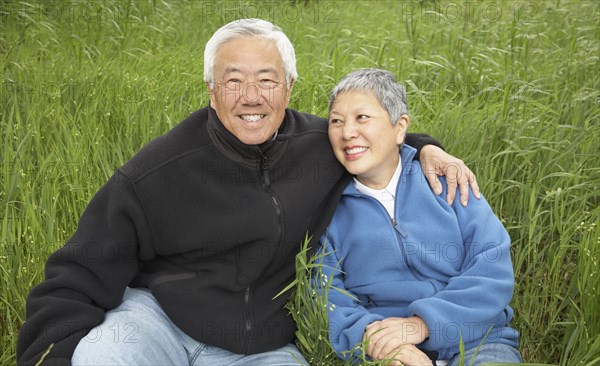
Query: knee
[[105, 342], [136, 332]]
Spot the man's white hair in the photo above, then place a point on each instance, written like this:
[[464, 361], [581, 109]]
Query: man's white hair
[[251, 27]]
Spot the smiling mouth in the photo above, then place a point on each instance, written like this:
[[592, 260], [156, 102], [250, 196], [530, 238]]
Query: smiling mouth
[[355, 150], [252, 117]]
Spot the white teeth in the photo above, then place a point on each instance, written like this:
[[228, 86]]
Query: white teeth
[[251, 117], [355, 150]]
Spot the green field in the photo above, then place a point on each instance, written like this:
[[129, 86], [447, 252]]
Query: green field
[[513, 88]]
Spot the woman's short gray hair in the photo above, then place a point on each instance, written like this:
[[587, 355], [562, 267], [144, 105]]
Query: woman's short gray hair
[[250, 28], [381, 84]]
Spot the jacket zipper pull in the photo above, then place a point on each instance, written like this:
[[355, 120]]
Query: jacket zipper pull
[[265, 169], [398, 228]]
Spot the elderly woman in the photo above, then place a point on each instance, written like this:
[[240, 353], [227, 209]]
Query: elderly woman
[[421, 273]]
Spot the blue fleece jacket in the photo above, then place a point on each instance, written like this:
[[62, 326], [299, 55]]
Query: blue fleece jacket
[[450, 265]]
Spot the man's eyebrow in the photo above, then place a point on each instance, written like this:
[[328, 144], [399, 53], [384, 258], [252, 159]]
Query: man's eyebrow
[[268, 70], [231, 69]]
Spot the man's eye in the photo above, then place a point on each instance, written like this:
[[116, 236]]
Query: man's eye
[[335, 121], [268, 83], [232, 83], [362, 116]]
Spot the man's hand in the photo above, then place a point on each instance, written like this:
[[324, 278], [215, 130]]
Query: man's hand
[[388, 335], [436, 162]]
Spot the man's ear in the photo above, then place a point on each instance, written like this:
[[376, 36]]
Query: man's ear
[[289, 89], [211, 94], [401, 127]]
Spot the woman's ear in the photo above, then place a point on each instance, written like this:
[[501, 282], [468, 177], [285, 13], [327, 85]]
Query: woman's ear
[[401, 127]]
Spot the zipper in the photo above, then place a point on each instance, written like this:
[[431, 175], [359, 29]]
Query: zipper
[[248, 323], [266, 184], [264, 167], [247, 318], [266, 181], [400, 233]]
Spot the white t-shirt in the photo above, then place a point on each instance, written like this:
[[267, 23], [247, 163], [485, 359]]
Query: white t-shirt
[[386, 195]]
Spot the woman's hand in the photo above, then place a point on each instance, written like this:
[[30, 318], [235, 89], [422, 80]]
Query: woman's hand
[[387, 336], [408, 355]]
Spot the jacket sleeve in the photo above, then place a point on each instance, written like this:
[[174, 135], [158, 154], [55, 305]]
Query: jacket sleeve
[[347, 317], [86, 277], [418, 140], [474, 299]]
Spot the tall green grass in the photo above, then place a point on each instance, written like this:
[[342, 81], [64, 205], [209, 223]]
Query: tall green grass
[[513, 88]]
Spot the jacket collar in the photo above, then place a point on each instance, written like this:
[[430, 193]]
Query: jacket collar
[[407, 155], [237, 151]]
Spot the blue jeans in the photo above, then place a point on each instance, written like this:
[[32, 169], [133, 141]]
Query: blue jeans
[[138, 332], [489, 352]]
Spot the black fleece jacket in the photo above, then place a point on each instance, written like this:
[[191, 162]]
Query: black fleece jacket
[[210, 225]]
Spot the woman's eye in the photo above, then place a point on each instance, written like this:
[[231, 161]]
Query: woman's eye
[[335, 120], [362, 116]]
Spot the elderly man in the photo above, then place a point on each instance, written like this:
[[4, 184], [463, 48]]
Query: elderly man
[[197, 233]]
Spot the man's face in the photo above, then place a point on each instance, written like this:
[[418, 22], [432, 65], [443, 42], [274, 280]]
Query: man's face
[[250, 94], [363, 139]]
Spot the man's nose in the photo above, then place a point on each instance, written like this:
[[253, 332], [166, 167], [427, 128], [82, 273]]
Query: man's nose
[[251, 93]]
